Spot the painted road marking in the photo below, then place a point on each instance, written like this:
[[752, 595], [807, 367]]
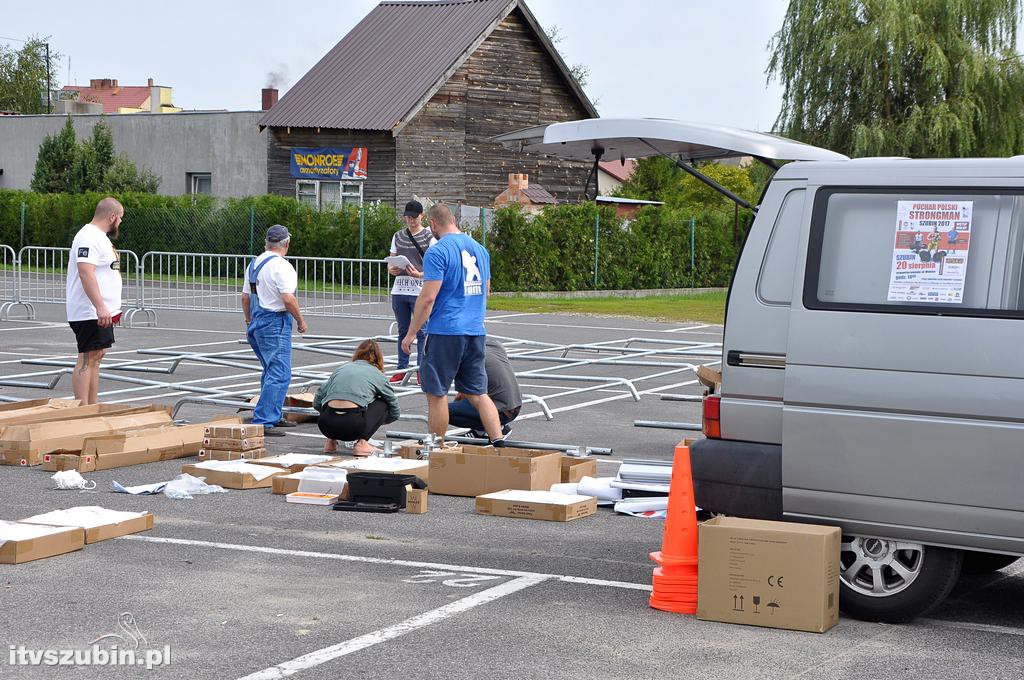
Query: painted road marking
[[564, 578], [321, 656]]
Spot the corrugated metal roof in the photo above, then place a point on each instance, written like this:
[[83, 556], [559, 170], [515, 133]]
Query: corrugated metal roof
[[384, 66], [380, 73]]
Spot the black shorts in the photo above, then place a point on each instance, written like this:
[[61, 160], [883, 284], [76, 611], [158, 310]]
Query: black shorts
[[90, 336]]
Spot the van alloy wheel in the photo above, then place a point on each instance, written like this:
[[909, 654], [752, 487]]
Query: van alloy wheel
[[878, 567]]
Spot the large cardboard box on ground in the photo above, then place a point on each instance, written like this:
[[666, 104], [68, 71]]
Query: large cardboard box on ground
[[774, 574], [58, 411], [477, 470], [26, 444], [545, 505], [100, 524], [574, 469], [26, 542], [238, 474], [234, 431]]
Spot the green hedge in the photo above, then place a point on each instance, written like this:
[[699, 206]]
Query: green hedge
[[553, 250]]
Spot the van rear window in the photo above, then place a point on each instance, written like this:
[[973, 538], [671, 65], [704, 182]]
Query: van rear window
[[927, 251]]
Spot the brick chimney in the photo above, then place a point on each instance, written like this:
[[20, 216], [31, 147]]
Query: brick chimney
[[149, 83], [518, 181], [269, 97]]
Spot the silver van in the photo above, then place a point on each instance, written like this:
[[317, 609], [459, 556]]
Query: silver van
[[873, 359]]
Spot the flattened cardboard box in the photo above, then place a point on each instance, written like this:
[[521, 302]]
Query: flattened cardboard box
[[234, 480], [55, 462], [188, 438], [107, 531], [280, 462], [59, 541], [219, 454], [26, 444], [234, 431], [574, 469], [477, 470], [543, 505], [773, 574]]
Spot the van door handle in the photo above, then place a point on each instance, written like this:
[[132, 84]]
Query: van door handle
[[755, 359]]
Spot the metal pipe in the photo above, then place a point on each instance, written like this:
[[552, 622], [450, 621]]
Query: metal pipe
[[542, 446], [666, 425]]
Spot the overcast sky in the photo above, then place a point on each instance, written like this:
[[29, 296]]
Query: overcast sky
[[686, 59]]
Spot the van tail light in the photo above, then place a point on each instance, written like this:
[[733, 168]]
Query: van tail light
[[712, 417]]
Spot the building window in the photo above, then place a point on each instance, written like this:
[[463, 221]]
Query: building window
[[328, 195], [199, 183]]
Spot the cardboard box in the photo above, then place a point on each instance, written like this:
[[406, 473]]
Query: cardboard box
[[774, 574], [58, 413], [219, 454], [245, 476], [233, 431], [544, 505], [709, 378], [297, 462], [58, 462], [478, 470], [298, 400], [26, 542], [26, 444], [186, 440], [395, 466], [574, 469], [307, 498], [99, 524], [415, 500], [226, 444]]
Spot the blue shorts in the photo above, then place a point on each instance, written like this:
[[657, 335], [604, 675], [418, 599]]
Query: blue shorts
[[453, 357]]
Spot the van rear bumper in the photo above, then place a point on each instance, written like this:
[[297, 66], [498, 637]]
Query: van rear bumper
[[742, 479]]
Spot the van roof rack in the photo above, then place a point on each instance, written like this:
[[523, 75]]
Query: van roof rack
[[681, 142]]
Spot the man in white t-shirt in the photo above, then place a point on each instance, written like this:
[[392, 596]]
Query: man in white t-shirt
[[269, 304], [94, 295]]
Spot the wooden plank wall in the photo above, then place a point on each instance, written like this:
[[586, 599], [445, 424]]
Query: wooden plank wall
[[380, 164], [508, 83]]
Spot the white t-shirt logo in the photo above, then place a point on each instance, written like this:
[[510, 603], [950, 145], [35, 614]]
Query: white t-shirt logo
[[83, 252], [474, 280]]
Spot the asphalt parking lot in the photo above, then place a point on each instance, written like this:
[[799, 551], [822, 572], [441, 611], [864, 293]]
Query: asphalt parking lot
[[242, 584]]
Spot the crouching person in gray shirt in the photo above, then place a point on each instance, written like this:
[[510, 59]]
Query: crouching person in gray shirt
[[502, 387]]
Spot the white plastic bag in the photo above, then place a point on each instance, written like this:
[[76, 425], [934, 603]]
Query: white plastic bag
[[184, 486], [71, 479]]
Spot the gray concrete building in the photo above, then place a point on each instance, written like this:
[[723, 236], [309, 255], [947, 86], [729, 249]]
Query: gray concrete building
[[222, 153]]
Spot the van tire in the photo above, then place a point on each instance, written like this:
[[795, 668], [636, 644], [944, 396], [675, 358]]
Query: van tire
[[985, 563], [938, 572]]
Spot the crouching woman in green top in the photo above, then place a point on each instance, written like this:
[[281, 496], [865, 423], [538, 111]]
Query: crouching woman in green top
[[356, 400]]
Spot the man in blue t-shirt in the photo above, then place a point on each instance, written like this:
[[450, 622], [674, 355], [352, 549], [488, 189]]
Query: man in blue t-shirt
[[453, 302]]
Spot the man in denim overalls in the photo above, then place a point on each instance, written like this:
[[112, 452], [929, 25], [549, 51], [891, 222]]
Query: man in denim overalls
[[269, 303]]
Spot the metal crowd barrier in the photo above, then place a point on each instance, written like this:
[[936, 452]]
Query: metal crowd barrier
[[9, 285], [331, 287], [42, 277]]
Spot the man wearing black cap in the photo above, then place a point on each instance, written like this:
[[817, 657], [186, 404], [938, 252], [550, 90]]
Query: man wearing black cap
[[269, 304], [412, 242]]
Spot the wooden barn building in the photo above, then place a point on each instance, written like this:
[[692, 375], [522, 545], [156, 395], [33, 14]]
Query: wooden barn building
[[405, 105]]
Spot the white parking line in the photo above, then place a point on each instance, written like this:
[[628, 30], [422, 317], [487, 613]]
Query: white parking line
[[326, 654], [965, 625], [396, 563]]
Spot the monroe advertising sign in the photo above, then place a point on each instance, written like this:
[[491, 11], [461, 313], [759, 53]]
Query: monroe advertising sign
[[329, 164]]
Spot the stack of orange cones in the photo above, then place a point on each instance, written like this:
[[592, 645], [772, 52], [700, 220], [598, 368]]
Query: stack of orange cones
[[675, 580]]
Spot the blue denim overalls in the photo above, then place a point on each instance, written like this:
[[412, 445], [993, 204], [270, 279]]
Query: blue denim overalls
[[270, 336]]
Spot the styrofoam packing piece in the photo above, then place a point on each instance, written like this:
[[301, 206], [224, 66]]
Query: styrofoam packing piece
[[288, 459], [15, 531], [258, 472], [600, 488], [392, 464]]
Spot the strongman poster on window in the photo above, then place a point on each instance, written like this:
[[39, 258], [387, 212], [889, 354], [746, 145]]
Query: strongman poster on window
[[929, 258]]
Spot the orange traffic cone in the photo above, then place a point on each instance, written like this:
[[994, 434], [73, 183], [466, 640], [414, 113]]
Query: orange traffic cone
[[675, 581]]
